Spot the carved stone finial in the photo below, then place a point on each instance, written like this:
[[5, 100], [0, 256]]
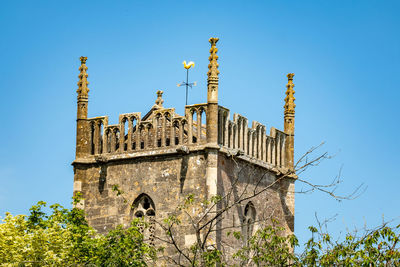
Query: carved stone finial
[[83, 83], [289, 99], [159, 100], [212, 95], [213, 66], [212, 80], [289, 122], [213, 41], [83, 60], [82, 126]]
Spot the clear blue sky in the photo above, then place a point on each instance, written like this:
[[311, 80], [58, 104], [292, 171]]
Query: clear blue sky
[[345, 55]]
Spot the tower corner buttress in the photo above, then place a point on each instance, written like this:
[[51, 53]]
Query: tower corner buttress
[[82, 127]]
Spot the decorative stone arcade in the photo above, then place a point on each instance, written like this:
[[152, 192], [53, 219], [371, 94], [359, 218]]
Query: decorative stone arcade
[[160, 157]]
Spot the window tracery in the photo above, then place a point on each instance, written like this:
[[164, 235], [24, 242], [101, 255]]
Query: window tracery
[[249, 218], [143, 207]]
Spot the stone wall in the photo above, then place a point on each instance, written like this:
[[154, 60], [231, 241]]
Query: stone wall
[[240, 180], [166, 180]]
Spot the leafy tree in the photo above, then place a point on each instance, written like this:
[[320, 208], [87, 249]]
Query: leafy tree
[[125, 247], [64, 238], [268, 247]]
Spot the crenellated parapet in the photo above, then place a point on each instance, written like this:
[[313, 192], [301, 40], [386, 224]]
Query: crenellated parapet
[[253, 142], [96, 127], [196, 129], [163, 129], [159, 130], [129, 122]]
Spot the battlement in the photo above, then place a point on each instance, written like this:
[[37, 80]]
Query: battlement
[[163, 131], [252, 142], [159, 129]]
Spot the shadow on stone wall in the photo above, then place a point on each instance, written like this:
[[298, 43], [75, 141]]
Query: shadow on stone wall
[[183, 171], [103, 177], [289, 216]]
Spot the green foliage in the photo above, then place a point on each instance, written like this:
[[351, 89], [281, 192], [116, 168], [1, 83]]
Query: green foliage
[[379, 247], [212, 257], [125, 247], [117, 190], [215, 199], [269, 247], [64, 238]]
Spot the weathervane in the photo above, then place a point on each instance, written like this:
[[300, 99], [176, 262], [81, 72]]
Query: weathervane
[[187, 84]]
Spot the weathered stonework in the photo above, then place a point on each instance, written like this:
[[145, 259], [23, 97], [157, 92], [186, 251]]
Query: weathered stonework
[[156, 160], [165, 178], [274, 201]]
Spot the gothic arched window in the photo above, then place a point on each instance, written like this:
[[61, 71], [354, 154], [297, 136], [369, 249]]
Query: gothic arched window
[[249, 218], [143, 207]]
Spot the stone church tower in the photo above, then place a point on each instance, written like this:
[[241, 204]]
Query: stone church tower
[[157, 159]]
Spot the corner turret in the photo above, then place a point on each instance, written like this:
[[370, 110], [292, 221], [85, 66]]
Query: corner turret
[[212, 94], [82, 132], [289, 121]]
